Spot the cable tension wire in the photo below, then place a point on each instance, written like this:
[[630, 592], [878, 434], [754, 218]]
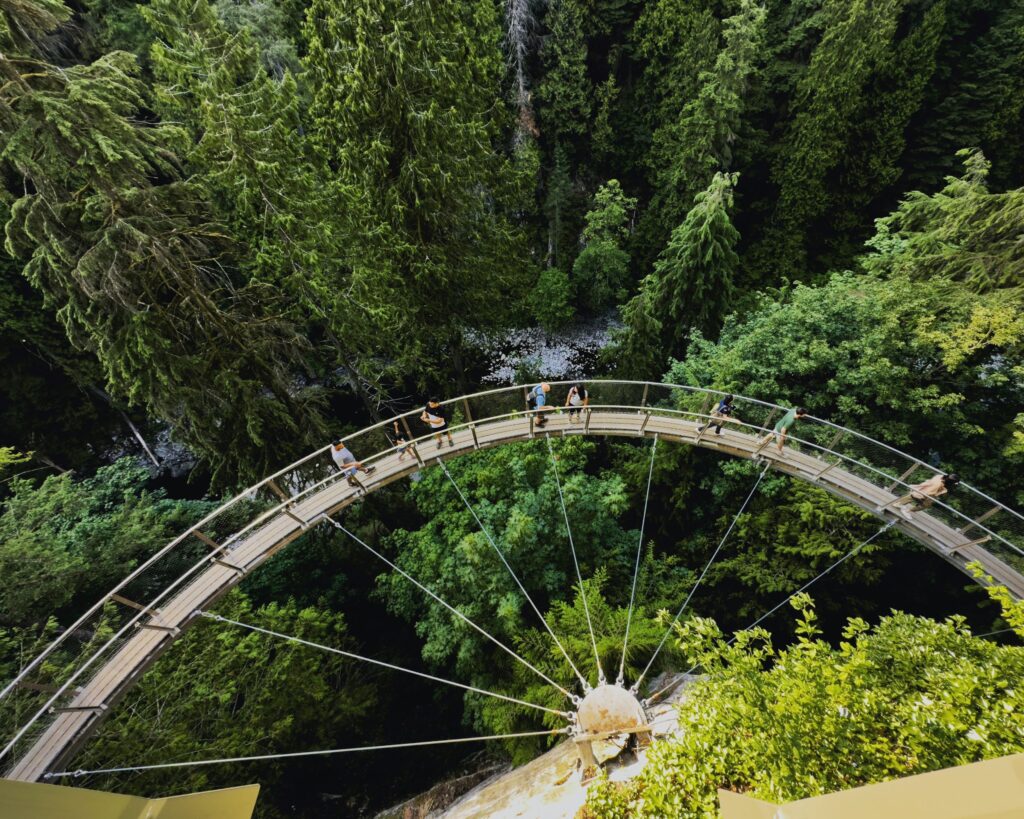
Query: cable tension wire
[[583, 593], [526, 594], [452, 609], [636, 686], [295, 754], [293, 639], [636, 568]]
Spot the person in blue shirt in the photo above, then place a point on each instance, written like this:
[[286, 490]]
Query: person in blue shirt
[[537, 400], [719, 415]]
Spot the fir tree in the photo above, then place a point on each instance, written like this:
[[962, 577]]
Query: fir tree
[[693, 276], [962, 232], [637, 351], [565, 92], [688, 151], [125, 252], [829, 98], [404, 110]]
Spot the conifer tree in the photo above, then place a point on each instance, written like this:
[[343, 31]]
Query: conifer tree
[[637, 351], [601, 269], [963, 232], [693, 277], [404, 110], [558, 206], [125, 252], [687, 151], [565, 91], [830, 95]]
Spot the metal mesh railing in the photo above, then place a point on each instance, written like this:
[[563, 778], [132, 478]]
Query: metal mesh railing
[[49, 681]]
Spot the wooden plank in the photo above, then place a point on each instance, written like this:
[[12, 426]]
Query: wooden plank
[[124, 601], [213, 544]]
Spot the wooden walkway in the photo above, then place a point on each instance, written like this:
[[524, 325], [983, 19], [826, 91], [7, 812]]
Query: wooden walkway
[[71, 725]]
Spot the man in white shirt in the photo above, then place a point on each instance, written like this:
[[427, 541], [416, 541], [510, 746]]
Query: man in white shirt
[[347, 463]]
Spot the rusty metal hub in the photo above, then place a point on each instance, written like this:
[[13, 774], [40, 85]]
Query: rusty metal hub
[[609, 709]]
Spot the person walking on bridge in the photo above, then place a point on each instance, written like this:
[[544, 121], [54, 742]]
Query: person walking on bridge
[[436, 417], [722, 412], [576, 400], [537, 401], [782, 428], [347, 463], [922, 495]]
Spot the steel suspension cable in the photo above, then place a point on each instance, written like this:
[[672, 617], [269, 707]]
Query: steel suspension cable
[[636, 685], [636, 568], [583, 593], [803, 588], [526, 594], [452, 609], [296, 754], [293, 639]]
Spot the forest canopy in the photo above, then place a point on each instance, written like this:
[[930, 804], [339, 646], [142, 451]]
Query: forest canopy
[[235, 231]]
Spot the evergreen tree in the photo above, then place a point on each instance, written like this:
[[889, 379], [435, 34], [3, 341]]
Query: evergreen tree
[[404, 110], [829, 97], [254, 162], [687, 151], [565, 91], [559, 209], [694, 273], [125, 252], [602, 268], [976, 96], [637, 352], [963, 233]]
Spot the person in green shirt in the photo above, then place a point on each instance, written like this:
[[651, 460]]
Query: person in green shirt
[[782, 427]]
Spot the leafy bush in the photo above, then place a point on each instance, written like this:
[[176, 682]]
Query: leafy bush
[[908, 696], [599, 275]]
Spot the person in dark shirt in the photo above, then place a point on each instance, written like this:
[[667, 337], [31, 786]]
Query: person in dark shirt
[[576, 400], [436, 417], [722, 412]]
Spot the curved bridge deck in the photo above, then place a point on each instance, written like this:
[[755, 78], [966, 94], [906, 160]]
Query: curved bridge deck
[[154, 626]]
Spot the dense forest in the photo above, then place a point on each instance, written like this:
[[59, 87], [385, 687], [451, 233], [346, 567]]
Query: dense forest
[[237, 229]]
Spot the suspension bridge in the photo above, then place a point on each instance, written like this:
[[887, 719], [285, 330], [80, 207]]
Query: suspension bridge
[[181, 583]]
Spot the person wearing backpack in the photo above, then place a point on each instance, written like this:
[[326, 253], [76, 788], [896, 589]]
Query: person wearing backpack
[[537, 401], [722, 412]]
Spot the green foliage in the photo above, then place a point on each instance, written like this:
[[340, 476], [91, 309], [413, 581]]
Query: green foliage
[[831, 96], [123, 250], [609, 218], [912, 366], [66, 542], [565, 91], [551, 299], [697, 141], [222, 691], [636, 348], [513, 492], [693, 277], [599, 275], [404, 112], [559, 209], [811, 719], [962, 232]]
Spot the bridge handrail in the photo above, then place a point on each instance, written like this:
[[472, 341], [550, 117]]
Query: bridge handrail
[[274, 510]]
